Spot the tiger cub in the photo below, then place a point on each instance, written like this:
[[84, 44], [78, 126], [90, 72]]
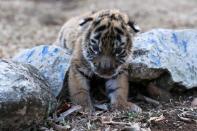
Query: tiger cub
[[101, 47]]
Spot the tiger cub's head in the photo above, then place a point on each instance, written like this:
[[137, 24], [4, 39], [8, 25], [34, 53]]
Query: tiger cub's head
[[107, 41]]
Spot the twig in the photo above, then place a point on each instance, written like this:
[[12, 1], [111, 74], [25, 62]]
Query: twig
[[116, 123], [185, 119], [69, 111], [148, 99], [45, 129]]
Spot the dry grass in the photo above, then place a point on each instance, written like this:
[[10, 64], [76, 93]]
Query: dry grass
[[175, 114]]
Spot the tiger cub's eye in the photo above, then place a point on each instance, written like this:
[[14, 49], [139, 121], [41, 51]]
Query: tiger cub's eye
[[95, 48]]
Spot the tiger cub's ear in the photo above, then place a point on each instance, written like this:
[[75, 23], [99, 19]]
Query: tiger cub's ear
[[134, 26], [85, 20]]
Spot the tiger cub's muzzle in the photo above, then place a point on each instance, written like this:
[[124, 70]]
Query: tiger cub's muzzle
[[105, 68]]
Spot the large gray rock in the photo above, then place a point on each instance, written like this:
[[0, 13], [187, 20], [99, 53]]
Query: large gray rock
[[163, 50], [155, 52], [25, 96], [51, 61]]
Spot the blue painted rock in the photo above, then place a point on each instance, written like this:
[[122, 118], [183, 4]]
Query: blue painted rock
[[25, 96], [163, 50], [155, 52], [51, 61]]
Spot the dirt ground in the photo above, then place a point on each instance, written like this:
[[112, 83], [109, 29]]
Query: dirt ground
[[175, 114], [27, 23]]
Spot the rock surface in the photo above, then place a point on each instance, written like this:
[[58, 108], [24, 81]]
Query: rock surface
[[51, 61], [155, 52], [25, 96], [163, 50]]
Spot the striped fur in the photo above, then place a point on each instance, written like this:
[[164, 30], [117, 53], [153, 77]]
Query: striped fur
[[102, 46]]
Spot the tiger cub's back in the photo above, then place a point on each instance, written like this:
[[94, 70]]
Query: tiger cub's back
[[70, 32]]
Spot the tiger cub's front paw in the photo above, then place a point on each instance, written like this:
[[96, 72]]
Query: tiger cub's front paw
[[87, 108], [84, 101]]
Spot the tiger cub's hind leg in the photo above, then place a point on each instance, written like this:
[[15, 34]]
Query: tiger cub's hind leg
[[79, 89], [117, 90]]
